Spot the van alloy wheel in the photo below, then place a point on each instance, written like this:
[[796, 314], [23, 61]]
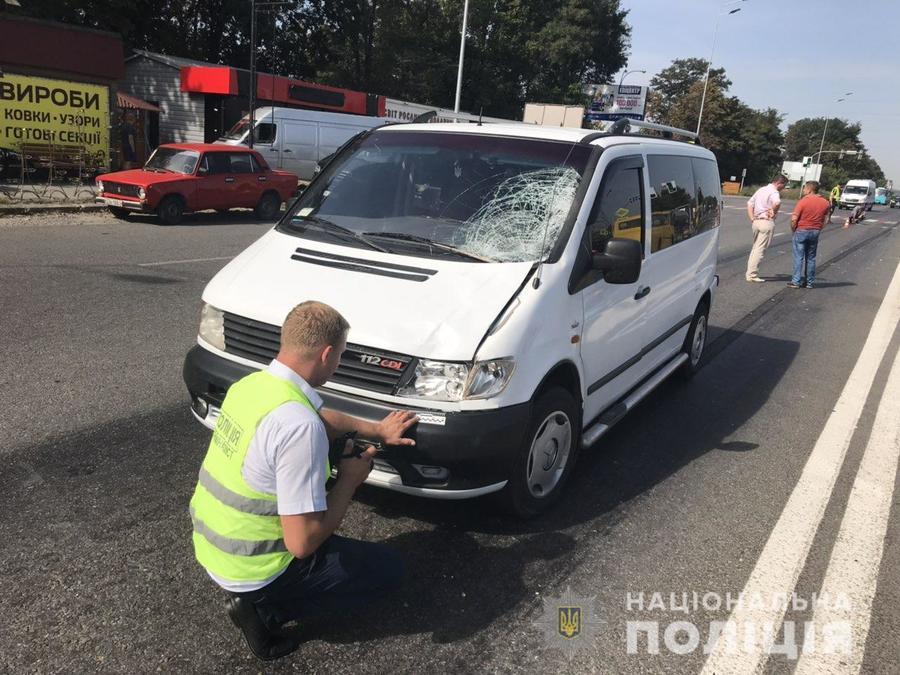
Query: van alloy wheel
[[549, 454], [699, 341]]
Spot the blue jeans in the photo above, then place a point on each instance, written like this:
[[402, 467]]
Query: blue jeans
[[341, 575], [806, 242]]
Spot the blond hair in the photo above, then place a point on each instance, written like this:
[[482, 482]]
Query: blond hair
[[312, 326]]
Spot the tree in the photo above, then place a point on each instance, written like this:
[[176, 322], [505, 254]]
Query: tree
[[804, 136], [740, 137], [515, 50], [673, 83]]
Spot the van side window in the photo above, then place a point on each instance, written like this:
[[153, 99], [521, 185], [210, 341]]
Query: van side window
[[706, 177], [672, 200], [618, 210], [265, 132]]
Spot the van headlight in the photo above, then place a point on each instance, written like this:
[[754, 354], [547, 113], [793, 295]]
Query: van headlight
[[443, 381], [212, 326], [142, 193], [99, 186]]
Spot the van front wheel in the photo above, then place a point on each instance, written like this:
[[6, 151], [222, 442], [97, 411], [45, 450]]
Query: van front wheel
[[542, 466]]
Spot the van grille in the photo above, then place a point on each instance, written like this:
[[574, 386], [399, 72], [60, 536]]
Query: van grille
[[361, 367]]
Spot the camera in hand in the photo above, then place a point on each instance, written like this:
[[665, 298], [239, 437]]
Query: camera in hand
[[336, 450]]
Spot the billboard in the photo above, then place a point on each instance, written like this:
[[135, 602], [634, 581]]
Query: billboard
[[610, 102], [41, 111], [796, 172]]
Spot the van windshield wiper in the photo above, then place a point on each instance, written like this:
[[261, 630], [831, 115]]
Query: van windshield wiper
[[334, 228], [402, 236]]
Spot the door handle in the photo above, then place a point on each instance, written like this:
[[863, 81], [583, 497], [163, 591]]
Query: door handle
[[288, 150], [230, 179], [642, 293]]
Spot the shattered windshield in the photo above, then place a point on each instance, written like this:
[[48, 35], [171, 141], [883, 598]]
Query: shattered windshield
[[449, 194]]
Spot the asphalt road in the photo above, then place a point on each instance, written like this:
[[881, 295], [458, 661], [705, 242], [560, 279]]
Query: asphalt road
[[685, 495]]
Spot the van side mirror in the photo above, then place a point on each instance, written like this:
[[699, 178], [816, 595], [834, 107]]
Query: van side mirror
[[202, 171], [620, 261]]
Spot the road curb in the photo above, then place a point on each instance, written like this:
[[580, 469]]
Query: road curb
[[30, 209]]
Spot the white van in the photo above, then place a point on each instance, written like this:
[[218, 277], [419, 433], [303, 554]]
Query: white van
[[857, 192], [520, 288], [295, 140]]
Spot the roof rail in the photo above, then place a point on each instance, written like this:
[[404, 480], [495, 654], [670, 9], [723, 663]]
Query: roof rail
[[623, 125]]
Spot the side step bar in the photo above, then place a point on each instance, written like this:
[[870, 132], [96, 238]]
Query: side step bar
[[605, 422]]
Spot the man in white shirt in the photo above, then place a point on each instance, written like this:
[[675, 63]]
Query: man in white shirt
[[263, 522], [762, 208]]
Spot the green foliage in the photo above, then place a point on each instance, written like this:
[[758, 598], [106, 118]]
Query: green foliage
[[672, 84], [804, 137], [516, 50]]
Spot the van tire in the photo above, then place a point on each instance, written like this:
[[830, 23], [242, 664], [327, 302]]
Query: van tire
[[695, 341], [170, 210], [556, 419], [268, 207]]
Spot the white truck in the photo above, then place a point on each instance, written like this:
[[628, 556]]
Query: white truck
[[295, 140], [858, 192]]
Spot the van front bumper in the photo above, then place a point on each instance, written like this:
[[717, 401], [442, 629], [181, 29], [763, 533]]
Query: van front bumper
[[457, 455]]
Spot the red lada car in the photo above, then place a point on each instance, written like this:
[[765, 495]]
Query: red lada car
[[182, 177]]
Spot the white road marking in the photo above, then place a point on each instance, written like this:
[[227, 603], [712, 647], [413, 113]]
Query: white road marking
[[787, 548], [182, 262], [856, 557], [780, 234]]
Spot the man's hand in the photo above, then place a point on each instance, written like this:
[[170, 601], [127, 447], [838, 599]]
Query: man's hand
[[355, 470], [392, 427]]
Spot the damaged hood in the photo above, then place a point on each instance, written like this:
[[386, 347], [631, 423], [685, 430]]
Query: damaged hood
[[426, 307]]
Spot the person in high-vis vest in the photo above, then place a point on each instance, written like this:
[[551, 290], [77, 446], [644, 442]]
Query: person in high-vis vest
[[263, 524], [835, 199]]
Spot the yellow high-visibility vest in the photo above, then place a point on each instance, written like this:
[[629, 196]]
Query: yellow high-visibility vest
[[237, 530]]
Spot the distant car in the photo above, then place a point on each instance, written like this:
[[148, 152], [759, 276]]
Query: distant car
[[184, 177], [895, 201]]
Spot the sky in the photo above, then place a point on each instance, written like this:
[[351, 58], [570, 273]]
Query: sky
[[797, 57]]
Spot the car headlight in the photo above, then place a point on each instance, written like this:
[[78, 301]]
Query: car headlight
[[99, 186], [142, 194], [442, 381], [489, 378], [212, 326]]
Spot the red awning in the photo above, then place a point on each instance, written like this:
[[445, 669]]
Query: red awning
[[124, 100]]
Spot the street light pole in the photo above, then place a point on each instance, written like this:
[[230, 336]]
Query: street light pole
[[709, 63], [626, 74], [252, 69], [824, 131], [462, 53]]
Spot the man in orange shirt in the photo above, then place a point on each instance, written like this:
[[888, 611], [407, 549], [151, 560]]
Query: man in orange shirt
[[807, 222]]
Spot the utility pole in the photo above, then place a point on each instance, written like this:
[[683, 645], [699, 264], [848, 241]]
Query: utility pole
[[462, 53], [252, 70]]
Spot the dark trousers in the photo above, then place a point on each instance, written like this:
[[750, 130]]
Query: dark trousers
[[342, 574]]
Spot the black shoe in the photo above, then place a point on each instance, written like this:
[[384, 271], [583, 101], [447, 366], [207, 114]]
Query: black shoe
[[791, 284], [264, 643]]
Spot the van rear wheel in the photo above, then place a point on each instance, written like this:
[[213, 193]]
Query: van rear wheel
[[541, 468], [695, 340]]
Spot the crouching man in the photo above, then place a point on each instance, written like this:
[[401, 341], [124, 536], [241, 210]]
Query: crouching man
[[263, 522]]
